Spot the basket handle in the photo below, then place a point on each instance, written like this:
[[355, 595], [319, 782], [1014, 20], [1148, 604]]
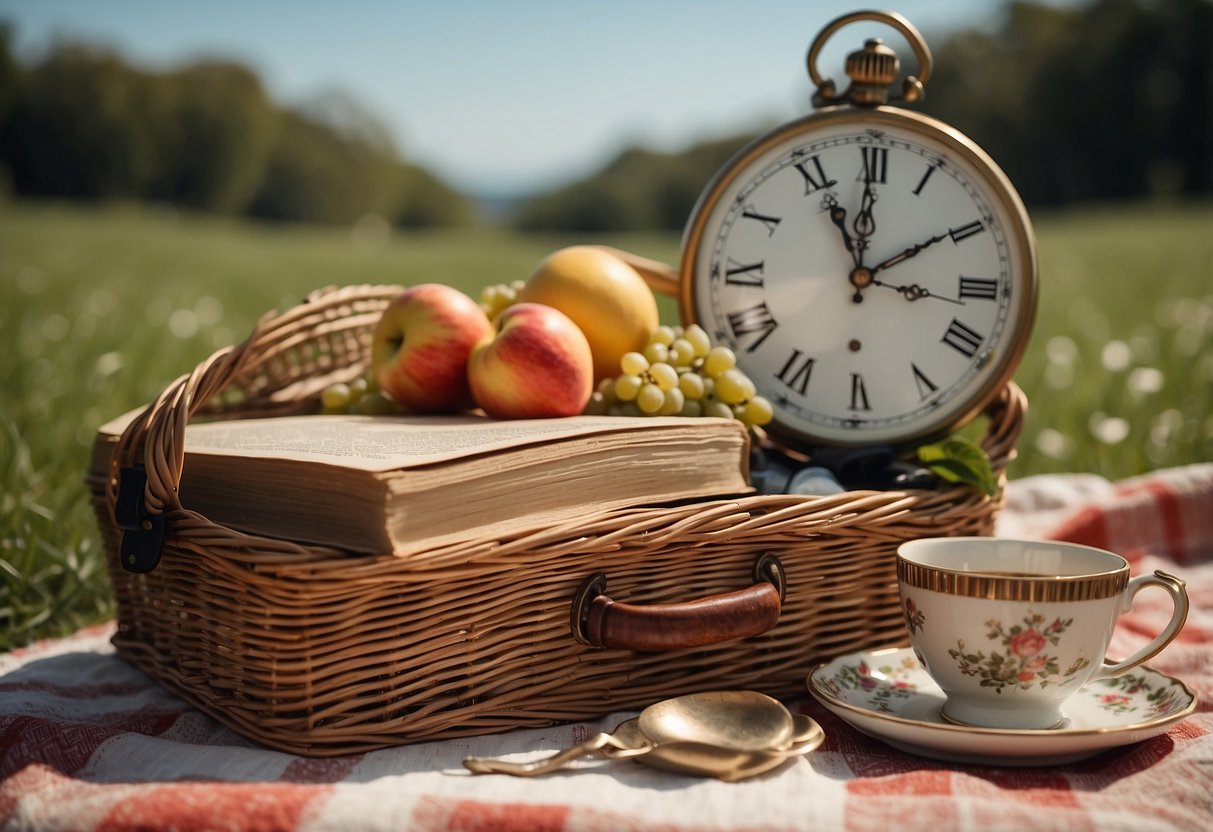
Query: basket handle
[[600, 621], [144, 476]]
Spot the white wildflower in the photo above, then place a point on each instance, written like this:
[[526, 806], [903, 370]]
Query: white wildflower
[[1116, 356], [1110, 430], [1146, 380]]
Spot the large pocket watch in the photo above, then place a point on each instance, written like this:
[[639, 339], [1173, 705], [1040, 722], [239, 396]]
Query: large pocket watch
[[873, 269]]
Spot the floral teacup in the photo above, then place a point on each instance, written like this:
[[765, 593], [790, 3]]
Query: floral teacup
[[1009, 629]]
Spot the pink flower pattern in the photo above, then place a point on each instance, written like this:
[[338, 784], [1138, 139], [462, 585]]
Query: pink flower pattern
[[1160, 701], [884, 684], [1027, 643], [1024, 661], [916, 619]]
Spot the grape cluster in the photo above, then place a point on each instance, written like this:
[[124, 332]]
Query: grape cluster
[[361, 396], [680, 373], [495, 298]]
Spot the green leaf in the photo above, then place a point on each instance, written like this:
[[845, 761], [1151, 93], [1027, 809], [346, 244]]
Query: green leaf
[[962, 461]]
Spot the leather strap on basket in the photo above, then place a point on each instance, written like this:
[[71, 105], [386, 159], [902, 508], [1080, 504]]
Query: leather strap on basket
[[600, 621]]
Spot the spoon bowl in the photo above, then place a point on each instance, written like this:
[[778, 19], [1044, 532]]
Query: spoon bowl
[[732, 720]]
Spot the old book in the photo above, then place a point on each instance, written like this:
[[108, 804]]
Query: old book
[[406, 484]]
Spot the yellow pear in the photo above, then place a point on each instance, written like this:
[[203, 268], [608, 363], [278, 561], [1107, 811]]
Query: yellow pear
[[607, 299]]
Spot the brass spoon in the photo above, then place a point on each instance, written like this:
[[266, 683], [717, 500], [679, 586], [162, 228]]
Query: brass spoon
[[729, 735]]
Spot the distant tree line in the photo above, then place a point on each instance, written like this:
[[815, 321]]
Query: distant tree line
[[1112, 100], [83, 123], [641, 189], [1109, 100]]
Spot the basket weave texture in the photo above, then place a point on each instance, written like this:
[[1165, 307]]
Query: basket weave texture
[[321, 652]]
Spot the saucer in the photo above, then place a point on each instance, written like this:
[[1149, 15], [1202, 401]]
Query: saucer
[[886, 694]]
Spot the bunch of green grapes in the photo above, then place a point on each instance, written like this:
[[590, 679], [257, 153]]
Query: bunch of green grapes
[[361, 396], [680, 373], [495, 298]]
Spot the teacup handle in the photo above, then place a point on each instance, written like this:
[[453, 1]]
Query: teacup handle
[[1179, 597]]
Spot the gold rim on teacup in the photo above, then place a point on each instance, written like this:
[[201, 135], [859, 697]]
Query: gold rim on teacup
[[1020, 586]]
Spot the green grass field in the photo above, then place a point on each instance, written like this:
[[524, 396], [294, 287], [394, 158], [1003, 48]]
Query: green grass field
[[101, 309]]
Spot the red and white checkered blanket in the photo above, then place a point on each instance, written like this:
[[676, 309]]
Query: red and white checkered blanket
[[87, 742]]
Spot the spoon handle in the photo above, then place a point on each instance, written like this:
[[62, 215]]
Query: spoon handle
[[489, 765]]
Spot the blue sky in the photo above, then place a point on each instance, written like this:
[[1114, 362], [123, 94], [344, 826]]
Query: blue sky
[[508, 96]]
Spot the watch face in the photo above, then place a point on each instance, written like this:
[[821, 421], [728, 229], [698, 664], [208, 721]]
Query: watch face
[[873, 270]]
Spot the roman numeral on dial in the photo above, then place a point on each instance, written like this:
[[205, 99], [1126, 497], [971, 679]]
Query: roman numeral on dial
[[815, 179], [766, 219], [966, 231], [859, 395], [743, 274], [925, 386], [922, 183], [796, 371], [753, 320], [875, 164], [962, 338], [978, 288]]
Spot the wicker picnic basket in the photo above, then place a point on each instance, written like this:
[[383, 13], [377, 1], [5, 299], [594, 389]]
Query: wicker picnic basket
[[322, 652]]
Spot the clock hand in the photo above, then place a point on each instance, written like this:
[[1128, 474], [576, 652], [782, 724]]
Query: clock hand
[[908, 253], [864, 223], [838, 216], [915, 292]]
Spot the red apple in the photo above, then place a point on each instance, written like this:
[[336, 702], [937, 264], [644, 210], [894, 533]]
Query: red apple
[[537, 365], [421, 345]]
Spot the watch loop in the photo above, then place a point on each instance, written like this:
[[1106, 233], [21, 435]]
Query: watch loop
[[870, 67]]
